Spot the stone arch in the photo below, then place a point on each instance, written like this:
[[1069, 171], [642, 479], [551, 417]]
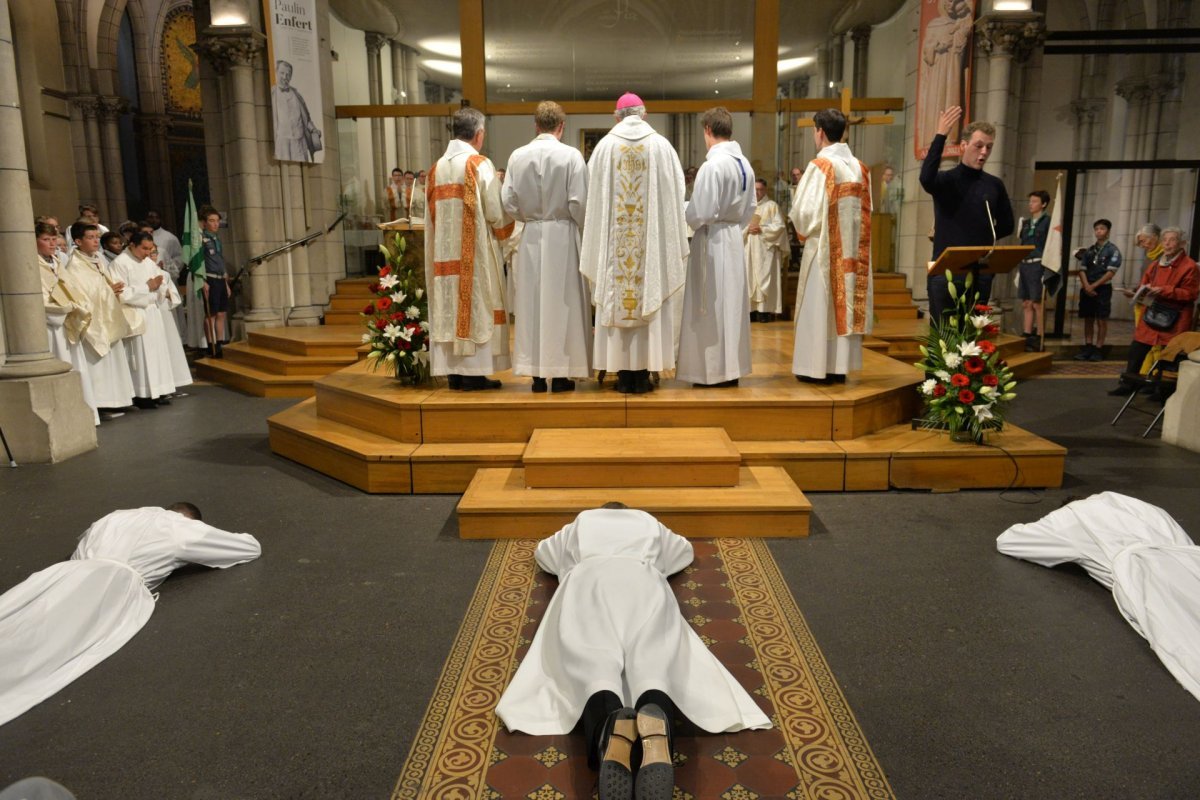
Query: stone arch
[[106, 49]]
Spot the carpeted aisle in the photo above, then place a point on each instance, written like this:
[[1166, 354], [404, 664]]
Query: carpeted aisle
[[738, 603]]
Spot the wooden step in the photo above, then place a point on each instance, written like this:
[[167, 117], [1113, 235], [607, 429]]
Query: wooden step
[[364, 460], [372, 401], [344, 318], [253, 381], [512, 413], [889, 279], [1014, 457], [280, 363], [497, 505], [893, 297], [355, 303], [1028, 365], [814, 466], [602, 457], [355, 287], [896, 312], [448, 468], [318, 340]]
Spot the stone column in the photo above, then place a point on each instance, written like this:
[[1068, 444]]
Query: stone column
[[1005, 39], [154, 130], [1159, 86], [234, 54], [375, 42], [1135, 91], [41, 401], [861, 36], [399, 82], [111, 109], [837, 63], [89, 106], [418, 127]]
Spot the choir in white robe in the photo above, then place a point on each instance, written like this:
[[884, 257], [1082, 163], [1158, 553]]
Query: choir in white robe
[[714, 340], [1140, 552], [546, 189], [170, 251], [86, 279], [467, 313], [634, 247], [168, 301], [834, 297], [764, 259], [66, 619], [613, 624], [66, 322], [149, 359]]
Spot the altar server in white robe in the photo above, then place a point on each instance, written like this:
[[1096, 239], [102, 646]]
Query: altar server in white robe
[[87, 280], [464, 224], [614, 626], [149, 358], [766, 244], [546, 189], [834, 297], [714, 340], [634, 248], [60, 622], [169, 301], [66, 320]]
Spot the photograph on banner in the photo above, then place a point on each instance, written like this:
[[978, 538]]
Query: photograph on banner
[[943, 70], [296, 102]]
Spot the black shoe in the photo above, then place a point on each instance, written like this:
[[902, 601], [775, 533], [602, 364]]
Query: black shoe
[[562, 385], [616, 755], [539, 385], [826, 381], [836, 377], [641, 382], [454, 382], [722, 385], [478, 383], [625, 381], [1123, 390], [1084, 353], [1096, 355], [656, 775], [145, 403], [163, 401]]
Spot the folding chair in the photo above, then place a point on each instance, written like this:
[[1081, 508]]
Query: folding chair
[[1161, 379]]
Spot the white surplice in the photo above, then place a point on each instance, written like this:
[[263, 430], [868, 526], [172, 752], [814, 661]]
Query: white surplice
[[834, 297], [545, 188], [764, 259], [86, 279], [149, 359], [1140, 552], [468, 328], [714, 340], [614, 625], [60, 622], [170, 251], [66, 322], [634, 247]]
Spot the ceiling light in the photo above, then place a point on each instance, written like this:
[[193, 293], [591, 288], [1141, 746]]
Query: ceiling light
[[1012, 5], [440, 65], [442, 46], [789, 64]]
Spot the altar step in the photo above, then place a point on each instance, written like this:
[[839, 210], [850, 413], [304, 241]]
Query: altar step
[[283, 362], [351, 296], [901, 340]]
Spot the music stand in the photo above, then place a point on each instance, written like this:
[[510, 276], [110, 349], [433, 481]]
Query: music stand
[[981, 260]]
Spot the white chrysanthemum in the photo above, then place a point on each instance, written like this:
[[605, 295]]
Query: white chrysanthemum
[[425, 327], [927, 387], [399, 297], [413, 312], [953, 360], [392, 331], [943, 376], [968, 349], [980, 321], [366, 337], [388, 281], [983, 413]]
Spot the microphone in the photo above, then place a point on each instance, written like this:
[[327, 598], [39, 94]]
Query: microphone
[[992, 223]]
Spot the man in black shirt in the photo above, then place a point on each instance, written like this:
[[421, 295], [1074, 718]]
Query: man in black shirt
[[962, 199]]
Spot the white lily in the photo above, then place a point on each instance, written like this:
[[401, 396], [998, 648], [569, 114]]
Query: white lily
[[425, 327], [968, 349], [980, 321], [420, 292], [983, 413], [388, 281], [943, 376], [990, 392], [399, 297], [392, 331], [366, 337], [406, 334]]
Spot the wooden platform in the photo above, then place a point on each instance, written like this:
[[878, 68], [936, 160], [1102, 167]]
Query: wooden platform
[[901, 339]]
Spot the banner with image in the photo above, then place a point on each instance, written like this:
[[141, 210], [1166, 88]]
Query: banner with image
[[298, 109], [945, 41]]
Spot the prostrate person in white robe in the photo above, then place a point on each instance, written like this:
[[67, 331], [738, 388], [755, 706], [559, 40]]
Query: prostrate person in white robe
[[634, 248], [714, 340], [149, 359], [766, 246], [1140, 552], [834, 298], [66, 320], [613, 633], [546, 189], [66, 619], [464, 224], [87, 280]]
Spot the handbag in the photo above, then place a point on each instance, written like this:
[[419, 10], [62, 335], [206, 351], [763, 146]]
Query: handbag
[[314, 139], [1161, 317]]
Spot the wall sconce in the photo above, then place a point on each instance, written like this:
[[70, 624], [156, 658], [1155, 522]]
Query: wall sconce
[[229, 13], [1005, 6]]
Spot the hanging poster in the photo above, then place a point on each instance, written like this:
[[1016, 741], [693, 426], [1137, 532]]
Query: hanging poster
[[945, 42], [297, 106]]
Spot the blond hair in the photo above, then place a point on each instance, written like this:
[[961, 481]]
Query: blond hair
[[549, 116]]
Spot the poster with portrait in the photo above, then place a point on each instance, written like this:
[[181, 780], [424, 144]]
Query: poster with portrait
[[589, 138], [297, 107], [945, 41]]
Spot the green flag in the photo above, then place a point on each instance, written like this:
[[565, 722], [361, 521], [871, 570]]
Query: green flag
[[192, 244]]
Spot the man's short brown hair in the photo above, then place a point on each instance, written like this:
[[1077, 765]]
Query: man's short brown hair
[[986, 128], [549, 116], [718, 121]]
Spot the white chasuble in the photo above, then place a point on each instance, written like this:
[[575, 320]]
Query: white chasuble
[[634, 247], [149, 358], [104, 349], [714, 340], [464, 223], [614, 625], [66, 322], [546, 189], [834, 296], [764, 259], [59, 623]]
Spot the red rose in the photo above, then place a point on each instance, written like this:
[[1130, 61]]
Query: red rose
[[991, 380], [986, 347], [974, 365], [958, 379], [369, 309], [374, 287], [384, 303], [385, 271], [980, 308], [381, 323], [939, 390], [991, 329], [966, 396], [401, 316]]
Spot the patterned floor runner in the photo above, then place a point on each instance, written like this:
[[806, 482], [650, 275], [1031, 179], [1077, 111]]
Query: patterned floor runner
[[735, 598]]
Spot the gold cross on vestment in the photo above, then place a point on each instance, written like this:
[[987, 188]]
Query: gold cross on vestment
[[848, 105]]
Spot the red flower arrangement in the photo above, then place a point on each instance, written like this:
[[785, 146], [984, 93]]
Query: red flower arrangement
[[396, 327]]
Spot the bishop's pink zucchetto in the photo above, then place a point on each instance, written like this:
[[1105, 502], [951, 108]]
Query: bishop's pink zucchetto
[[628, 100]]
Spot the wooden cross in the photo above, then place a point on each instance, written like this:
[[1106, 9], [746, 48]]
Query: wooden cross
[[848, 105]]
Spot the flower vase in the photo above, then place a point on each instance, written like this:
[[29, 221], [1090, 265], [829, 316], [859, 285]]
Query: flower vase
[[966, 436]]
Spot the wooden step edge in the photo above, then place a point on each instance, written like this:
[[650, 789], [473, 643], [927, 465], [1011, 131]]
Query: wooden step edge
[[219, 366], [469, 452], [303, 420]]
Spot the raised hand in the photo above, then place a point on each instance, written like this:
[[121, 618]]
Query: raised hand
[[948, 119]]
